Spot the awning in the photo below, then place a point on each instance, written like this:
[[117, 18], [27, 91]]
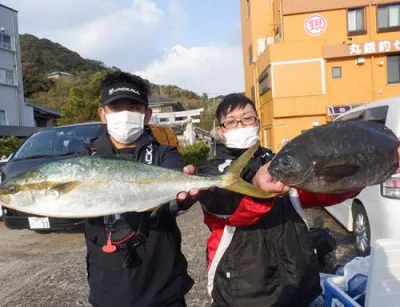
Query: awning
[[336, 110]]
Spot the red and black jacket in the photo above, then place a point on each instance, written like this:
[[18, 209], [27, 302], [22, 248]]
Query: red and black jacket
[[258, 251]]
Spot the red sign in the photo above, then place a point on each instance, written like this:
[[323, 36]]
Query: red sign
[[315, 24]]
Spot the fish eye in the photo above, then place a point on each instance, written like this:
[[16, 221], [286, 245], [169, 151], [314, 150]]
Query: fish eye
[[286, 160], [12, 189]]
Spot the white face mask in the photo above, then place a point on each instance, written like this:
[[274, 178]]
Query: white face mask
[[242, 137], [125, 127]]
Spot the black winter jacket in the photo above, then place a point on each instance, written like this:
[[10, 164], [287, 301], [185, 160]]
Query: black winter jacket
[[141, 273]]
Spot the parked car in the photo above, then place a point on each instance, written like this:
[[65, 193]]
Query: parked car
[[4, 160], [375, 212], [54, 144], [47, 145]]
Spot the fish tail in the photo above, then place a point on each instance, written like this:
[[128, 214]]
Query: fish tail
[[233, 182]]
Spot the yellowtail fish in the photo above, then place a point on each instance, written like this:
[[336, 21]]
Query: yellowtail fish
[[95, 186]]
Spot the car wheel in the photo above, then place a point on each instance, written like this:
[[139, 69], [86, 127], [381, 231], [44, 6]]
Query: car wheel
[[361, 230], [43, 232]]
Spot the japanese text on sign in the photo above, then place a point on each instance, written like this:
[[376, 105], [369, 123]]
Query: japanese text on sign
[[374, 47], [315, 24]]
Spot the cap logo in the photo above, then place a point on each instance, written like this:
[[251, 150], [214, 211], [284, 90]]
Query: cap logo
[[122, 89]]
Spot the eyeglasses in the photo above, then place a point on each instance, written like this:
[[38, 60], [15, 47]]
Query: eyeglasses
[[232, 123]]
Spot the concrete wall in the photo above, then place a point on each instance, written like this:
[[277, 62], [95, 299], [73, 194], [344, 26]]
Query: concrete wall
[[12, 95]]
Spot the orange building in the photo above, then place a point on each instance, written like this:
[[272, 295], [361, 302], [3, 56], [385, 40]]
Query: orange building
[[306, 61]]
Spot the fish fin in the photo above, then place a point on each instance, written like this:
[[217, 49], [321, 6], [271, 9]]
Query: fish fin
[[242, 187], [65, 188], [239, 164], [233, 182], [336, 172]]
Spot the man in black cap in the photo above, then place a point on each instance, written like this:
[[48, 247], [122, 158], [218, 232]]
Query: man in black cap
[[135, 259]]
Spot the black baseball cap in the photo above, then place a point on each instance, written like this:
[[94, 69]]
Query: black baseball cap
[[123, 90]]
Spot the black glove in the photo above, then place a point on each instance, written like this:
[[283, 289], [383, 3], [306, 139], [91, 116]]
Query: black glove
[[173, 208]]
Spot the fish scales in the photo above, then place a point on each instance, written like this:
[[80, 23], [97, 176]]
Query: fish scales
[[338, 157], [102, 185]]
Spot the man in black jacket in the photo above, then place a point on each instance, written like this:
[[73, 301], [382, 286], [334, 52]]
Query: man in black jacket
[[135, 259], [258, 250]]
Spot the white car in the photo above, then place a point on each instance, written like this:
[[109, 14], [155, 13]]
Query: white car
[[374, 213]]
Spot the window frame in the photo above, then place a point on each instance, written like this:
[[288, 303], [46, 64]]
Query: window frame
[[13, 77], [357, 32], [6, 80], [5, 117], [387, 67], [332, 75], [265, 81], [2, 45], [251, 54], [387, 29]]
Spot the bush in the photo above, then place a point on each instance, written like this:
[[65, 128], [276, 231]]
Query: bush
[[9, 145], [195, 154]]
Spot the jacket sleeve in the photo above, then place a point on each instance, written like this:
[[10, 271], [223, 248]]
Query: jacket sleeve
[[311, 200], [226, 203], [171, 158], [249, 211], [216, 200], [235, 209], [219, 201]]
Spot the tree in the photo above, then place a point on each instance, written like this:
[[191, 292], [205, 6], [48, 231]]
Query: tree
[[42, 56], [208, 115], [34, 80], [57, 96], [204, 96], [83, 101]]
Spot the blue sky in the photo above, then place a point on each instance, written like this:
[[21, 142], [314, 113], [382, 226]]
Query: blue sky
[[195, 44], [210, 21]]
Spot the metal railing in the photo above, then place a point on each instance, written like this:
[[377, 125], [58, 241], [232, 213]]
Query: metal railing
[[6, 45]]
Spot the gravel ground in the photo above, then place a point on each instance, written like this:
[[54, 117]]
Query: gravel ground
[[49, 270]]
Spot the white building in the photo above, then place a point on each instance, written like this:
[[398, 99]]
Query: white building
[[13, 110]]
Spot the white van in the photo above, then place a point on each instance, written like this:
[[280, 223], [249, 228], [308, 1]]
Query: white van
[[374, 213]]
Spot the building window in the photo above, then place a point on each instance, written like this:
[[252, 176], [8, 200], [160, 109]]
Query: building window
[[356, 21], [9, 76], [389, 17], [336, 72], [253, 94], [248, 8], [268, 137], [6, 76], [251, 53], [265, 80], [393, 69], [3, 118], [5, 41]]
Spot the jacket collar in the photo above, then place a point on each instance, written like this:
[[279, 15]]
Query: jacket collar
[[232, 153], [104, 146]]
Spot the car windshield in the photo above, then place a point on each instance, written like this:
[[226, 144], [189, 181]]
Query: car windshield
[[58, 141]]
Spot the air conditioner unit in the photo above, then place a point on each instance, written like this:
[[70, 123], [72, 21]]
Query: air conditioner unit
[[360, 60], [270, 40], [261, 44]]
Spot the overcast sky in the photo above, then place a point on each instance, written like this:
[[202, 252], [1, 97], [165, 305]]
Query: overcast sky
[[195, 44]]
